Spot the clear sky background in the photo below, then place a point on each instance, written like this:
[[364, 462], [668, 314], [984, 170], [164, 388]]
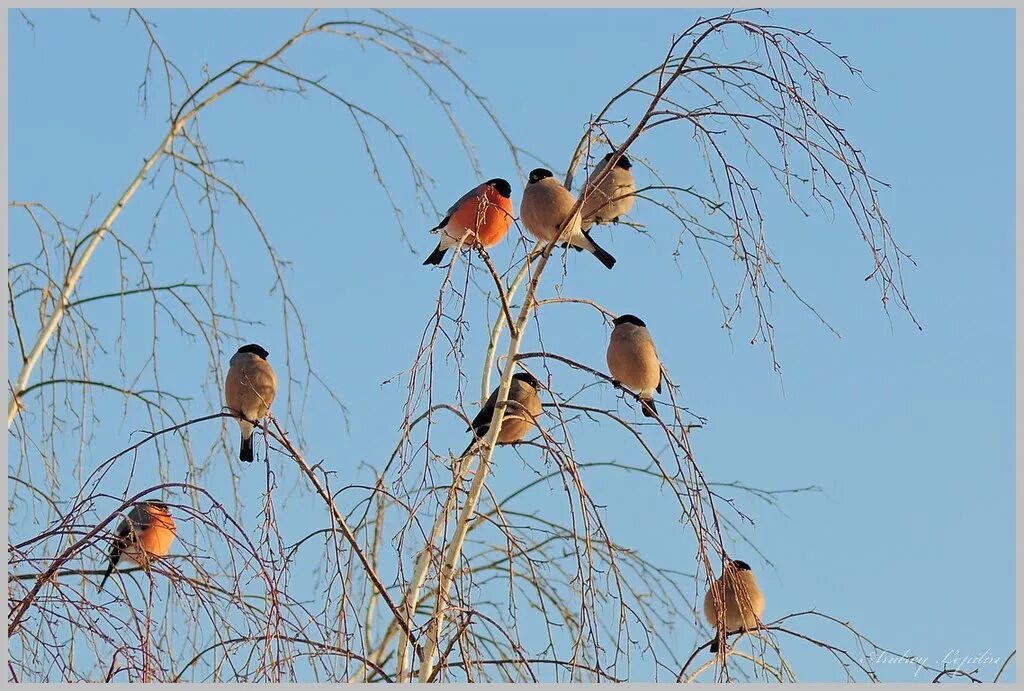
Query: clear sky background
[[908, 433]]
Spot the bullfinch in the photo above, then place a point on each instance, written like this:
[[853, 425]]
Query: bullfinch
[[742, 600], [546, 205], [612, 197], [518, 421], [144, 535], [633, 360], [483, 214], [249, 390]]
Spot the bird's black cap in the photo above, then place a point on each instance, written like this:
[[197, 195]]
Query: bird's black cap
[[500, 184], [528, 378], [629, 319], [741, 565], [623, 161], [255, 349], [538, 174]]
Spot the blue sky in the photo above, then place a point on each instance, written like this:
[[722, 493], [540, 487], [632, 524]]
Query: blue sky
[[908, 433]]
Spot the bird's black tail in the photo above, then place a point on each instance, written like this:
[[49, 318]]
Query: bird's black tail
[[602, 256], [714, 645], [647, 406], [435, 257], [110, 570], [245, 450], [468, 449]]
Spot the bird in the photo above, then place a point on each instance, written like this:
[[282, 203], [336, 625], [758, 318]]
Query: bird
[[633, 360], [742, 601], [249, 391], [518, 419], [612, 197], [483, 214], [545, 206], [146, 534]]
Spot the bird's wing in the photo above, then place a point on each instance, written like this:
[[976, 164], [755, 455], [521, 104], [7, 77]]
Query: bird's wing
[[264, 382], [483, 418], [121, 536], [140, 518], [455, 207], [661, 377]]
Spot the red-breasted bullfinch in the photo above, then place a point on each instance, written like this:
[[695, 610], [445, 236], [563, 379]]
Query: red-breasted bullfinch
[[144, 535], [483, 214]]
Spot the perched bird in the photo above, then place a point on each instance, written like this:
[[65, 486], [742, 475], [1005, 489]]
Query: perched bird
[[545, 206], [612, 197], [518, 421], [249, 390], [742, 601], [146, 534], [484, 213], [633, 360]]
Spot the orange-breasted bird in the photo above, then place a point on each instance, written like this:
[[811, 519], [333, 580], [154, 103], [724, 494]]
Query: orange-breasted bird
[[483, 214], [144, 535]]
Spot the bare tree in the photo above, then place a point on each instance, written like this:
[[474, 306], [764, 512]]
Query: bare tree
[[428, 572]]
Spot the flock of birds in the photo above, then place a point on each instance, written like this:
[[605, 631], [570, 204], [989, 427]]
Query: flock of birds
[[483, 216]]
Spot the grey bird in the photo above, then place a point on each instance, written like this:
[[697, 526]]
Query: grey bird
[[546, 205], [742, 600], [613, 197], [249, 391], [633, 360]]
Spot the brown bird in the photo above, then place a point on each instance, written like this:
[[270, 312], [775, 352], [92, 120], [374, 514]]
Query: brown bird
[[613, 197], [633, 360], [249, 391], [145, 535], [546, 205], [742, 601], [518, 419]]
